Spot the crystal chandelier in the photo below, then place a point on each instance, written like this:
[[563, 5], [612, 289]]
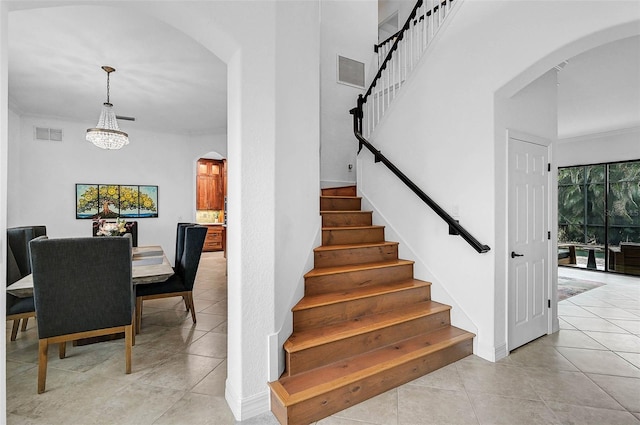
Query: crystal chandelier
[[107, 134]]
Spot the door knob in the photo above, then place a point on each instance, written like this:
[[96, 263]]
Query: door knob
[[514, 255]]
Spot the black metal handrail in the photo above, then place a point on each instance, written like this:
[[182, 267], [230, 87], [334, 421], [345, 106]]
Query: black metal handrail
[[399, 36], [376, 47], [454, 227]]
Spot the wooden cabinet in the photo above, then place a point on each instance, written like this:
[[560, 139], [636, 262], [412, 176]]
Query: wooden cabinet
[[210, 185], [215, 239]]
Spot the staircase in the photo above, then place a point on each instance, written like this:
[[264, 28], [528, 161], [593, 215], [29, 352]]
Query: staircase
[[364, 325]]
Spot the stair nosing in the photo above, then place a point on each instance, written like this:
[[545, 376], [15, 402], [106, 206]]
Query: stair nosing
[[324, 271], [360, 293], [371, 322], [323, 248], [371, 370], [362, 227]]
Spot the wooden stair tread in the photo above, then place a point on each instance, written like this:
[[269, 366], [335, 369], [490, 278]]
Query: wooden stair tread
[[297, 388], [345, 212], [311, 301], [339, 197], [323, 271], [323, 248], [365, 227], [318, 336]]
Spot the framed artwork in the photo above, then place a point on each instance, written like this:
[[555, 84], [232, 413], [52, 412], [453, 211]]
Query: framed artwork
[[112, 200]]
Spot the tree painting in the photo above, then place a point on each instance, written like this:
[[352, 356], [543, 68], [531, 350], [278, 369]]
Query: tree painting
[[113, 201]]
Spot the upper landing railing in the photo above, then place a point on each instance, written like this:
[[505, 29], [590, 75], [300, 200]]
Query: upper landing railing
[[398, 56], [403, 50]]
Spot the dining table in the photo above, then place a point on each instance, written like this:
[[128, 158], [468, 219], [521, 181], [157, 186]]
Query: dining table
[[149, 265]]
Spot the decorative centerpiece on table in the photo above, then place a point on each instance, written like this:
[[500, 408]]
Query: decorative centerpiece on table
[[110, 228]]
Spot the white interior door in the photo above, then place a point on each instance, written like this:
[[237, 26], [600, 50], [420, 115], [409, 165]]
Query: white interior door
[[528, 242]]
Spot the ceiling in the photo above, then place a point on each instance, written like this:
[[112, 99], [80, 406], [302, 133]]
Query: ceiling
[[599, 90], [163, 78], [170, 83]]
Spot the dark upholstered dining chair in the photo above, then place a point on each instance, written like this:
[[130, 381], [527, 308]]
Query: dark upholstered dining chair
[[181, 283], [180, 242], [18, 266], [82, 288]]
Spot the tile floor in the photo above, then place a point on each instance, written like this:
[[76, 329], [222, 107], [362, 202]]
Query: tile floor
[[588, 373]]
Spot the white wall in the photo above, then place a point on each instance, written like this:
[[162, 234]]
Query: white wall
[[612, 146], [43, 174], [453, 154], [297, 163], [339, 36]]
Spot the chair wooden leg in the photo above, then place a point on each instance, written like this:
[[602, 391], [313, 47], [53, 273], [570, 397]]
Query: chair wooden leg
[[128, 339], [191, 306], [43, 348], [186, 302], [14, 329], [138, 314], [62, 349], [24, 324]]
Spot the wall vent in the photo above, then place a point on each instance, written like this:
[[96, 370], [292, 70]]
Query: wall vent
[[52, 134], [350, 72]]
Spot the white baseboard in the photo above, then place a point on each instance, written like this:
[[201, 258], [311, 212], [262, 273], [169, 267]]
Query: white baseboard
[[249, 407]]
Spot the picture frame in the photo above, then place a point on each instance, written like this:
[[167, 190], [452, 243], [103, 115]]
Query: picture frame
[[106, 201]]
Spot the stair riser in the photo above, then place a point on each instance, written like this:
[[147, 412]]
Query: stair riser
[[334, 313], [340, 204], [357, 279], [340, 191], [344, 257], [340, 398], [325, 354], [349, 236], [347, 219]]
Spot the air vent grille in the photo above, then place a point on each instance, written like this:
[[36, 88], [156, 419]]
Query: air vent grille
[[51, 134], [350, 72]]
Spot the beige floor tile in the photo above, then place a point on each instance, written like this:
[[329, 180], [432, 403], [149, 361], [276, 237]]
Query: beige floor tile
[[495, 410], [211, 345], [596, 361], [134, 404], [570, 388], [540, 356], [332, 420], [571, 338], [433, 406], [626, 391], [491, 378], [628, 343], [205, 322], [214, 383], [580, 415], [574, 310], [219, 307], [588, 299], [180, 371], [632, 326], [564, 324], [611, 313], [196, 409], [593, 324], [379, 410], [174, 339], [446, 378], [633, 358]]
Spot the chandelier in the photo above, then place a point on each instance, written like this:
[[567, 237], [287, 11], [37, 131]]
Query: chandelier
[[107, 134]]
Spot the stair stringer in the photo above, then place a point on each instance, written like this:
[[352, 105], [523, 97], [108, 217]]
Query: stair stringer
[[459, 317]]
